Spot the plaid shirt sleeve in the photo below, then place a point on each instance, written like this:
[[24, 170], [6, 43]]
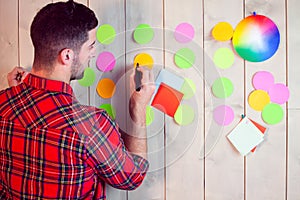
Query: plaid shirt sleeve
[[108, 157]]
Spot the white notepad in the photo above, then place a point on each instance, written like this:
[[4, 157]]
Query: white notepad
[[245, 136]]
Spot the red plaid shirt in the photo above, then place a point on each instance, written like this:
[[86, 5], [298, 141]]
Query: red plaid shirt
[[52, 147]]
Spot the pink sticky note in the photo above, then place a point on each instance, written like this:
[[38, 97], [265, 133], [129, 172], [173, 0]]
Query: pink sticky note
[[279, 93], [263, 80], [106, 61], [223, 115], [184, 33]]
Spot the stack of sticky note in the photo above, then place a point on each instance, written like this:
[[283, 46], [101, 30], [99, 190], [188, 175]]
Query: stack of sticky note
[[246, 136], [167, 96]]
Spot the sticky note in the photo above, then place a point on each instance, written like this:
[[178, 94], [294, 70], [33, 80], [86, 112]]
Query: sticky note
[[188, 88], [279, 93], [167, 99], [184, 58], [106, 34], [258, 99], [184, 33], [106, 88], [170, 79], [106, 61], [149, 115], [143, 59], [272, 113], [262, 80], [184, 115], [223, 58], [245, 136], [143, 34], [223, 115], [111, 111], [222, 31], [222, 87], [88, 78], [261, 128]]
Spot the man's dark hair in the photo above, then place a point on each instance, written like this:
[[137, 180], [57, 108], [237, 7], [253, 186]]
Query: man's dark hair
[[58, 26]]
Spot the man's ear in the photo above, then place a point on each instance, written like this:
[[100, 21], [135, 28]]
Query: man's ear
[[66, 56]]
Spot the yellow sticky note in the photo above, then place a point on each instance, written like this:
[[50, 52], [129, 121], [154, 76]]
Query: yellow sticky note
[[144, 59], [258, 99], [223, 31]]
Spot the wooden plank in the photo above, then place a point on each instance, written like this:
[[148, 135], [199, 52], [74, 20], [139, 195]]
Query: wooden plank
[[8, 39], [224, 166], [151, 13], [293, 151], [293, 176], [184, 166], [112, 12], [28, 9], [266, 168], [293, 39]]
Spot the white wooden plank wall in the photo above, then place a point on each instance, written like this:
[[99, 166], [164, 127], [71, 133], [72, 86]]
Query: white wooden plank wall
[[263, 169], [151, 13], [224, 167], [195, 161], [293, 126], [184, 143]]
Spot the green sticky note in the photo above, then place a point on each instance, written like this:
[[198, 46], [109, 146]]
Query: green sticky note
[[272, 113], [149, 115], [222, 87], [109, 109], [184, 58], [188, 88], [106, 34], [89, 77], [143, 34], [224, 58], [184, 115]]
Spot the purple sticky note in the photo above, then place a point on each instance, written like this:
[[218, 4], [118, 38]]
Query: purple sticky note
[[184, 33], [279, 93], [263, 80], [106, 61], [223, 115]]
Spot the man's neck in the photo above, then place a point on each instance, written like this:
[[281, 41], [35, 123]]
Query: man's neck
[[58, 75]]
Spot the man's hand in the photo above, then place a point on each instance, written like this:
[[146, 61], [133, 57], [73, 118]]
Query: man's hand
[[16, 76], [136, 137], [141, 98]]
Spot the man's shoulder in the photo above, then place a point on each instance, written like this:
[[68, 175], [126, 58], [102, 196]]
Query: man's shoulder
[[94, 112]]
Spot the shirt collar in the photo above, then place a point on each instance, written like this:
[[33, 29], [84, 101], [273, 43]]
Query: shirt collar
[[47, 84]]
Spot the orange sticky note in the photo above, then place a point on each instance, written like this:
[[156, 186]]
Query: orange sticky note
[[261, 128], [167, 99]]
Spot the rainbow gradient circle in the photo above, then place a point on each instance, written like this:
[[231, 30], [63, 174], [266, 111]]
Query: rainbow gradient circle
[[256, 38]]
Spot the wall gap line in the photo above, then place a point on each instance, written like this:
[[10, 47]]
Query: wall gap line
[[245, 110], [18, 24], [286, 108], [203, 107], [125, 63], [164, 132]]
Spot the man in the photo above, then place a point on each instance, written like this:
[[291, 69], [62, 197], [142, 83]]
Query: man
[[51, 146]]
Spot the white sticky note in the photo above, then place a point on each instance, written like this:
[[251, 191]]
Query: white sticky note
[[245, 136]]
